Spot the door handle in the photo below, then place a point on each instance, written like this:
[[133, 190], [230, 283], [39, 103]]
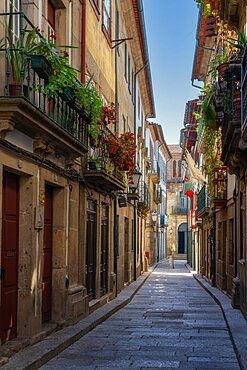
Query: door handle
[[2, 272]]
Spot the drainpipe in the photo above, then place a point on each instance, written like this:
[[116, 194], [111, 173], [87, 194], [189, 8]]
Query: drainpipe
[[135, 208], [214, 249], [83, 42], [115, 230]]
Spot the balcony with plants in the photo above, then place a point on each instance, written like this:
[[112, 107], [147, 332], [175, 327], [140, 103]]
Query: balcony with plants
[[157, 195], [203, 201], [110, 162], [220, 187], [144, 202], [41, 95], [155, 172]]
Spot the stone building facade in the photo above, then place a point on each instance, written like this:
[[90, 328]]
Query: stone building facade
[[176, 206], [66, 246]]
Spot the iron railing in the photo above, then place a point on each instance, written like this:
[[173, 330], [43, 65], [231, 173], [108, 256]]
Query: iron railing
[[203, 200], [144, 194], [179, 210], [31, 83]]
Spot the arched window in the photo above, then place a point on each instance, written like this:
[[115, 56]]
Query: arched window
[[179, 168], [174, 168]]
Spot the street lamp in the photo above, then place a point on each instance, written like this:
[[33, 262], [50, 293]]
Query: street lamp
[[154, 216], [133, 186]]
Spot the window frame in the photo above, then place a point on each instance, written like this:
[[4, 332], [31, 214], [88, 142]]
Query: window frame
[[107, 32], [96, 7]]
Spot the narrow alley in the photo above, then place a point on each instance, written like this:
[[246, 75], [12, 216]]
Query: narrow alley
[[172, 322]]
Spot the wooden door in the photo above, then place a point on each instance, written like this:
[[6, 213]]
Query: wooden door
[[126, 250], [47, 257], [104, 250], [181, 242], [9, 257], [91, 248]]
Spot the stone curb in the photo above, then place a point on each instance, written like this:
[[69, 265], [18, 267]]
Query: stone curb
[[33, 357], [236, 323]]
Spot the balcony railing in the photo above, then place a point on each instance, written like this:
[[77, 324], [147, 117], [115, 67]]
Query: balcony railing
[[100, 169], [203, 201], [220, 187], [158, 195], [179, 210], [155, 172], [144, 200], [26, 89], [164, 221]]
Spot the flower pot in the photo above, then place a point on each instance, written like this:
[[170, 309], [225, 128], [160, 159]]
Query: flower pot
[[112, 148], [41, 66], [15, 90], [92, 165], [222, 69]]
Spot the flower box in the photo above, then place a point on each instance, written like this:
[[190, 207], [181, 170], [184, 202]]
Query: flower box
[[41, 66]]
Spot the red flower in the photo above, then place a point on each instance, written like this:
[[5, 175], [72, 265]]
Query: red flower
[[100, 123], [66, 54], [53, 37]]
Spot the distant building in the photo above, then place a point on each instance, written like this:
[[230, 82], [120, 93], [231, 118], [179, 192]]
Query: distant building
[[176, 206]]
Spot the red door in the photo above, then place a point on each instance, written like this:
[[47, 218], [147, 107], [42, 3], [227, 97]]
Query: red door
[[47, 257], [9, 257]]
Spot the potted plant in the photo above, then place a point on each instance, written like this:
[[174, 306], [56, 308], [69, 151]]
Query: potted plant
[[126, 152], [108, 115], [112, 145], [96, 163], [17, 57]]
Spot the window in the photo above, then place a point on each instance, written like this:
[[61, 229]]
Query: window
[[14, 6], [124, 124], [231, 242], [107, 16], [132, 85], [179, 168], [129, 73], [174, 168], [125, 61], [95, 5], [139, 106], [50, 19]]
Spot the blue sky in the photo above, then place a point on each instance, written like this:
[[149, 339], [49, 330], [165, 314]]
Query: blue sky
[[171, 31]]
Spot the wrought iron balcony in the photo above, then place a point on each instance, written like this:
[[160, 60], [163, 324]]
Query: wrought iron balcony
[[144, 200], [158, 195], [164, 221], [179, 211], [220, 187], [231, 126], [203, 201], [24, 105], [100, 169], [155, 172]]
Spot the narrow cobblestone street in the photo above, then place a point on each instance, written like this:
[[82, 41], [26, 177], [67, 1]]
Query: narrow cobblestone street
[[172, 322]]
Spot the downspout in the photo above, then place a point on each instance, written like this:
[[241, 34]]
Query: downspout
[[115, 231], [214, 249], [135, 207], [37, 264], [83, 42]]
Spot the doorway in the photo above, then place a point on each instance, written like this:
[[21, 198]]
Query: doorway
[[182, 238], [9, 257], [91, 248], [104, 250], [47, 256]]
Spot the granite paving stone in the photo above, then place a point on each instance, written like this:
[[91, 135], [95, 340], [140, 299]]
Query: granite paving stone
[[171, 323]]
